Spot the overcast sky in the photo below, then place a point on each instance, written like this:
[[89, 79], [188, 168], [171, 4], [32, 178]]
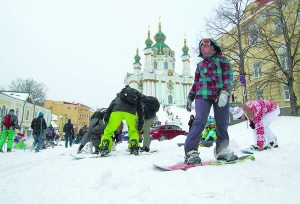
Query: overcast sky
[[82, 49]]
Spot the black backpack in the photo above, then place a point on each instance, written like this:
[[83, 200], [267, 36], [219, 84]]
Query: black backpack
[[152, 103], [129, 95]]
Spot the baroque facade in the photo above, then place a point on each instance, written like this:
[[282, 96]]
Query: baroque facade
[[158, 77]]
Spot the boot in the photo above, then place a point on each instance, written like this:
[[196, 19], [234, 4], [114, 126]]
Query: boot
[[192, 157], [80, 149], [134, 149], [226, 155], [8, 149], [104, 150], [97, 150]]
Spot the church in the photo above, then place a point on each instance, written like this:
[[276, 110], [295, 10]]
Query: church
[[158, 77]]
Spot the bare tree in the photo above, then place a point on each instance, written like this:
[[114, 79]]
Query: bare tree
[[2, 88], [280, 47], [38, 90], [228, 26]]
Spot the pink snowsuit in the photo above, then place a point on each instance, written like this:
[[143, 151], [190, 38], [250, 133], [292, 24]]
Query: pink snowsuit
[[264, 113]]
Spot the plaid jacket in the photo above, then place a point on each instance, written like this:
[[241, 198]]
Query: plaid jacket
[[211, 77], [38, 125]]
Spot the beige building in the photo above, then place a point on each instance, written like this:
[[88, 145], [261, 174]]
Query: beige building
[[263, 67], [24, 108], [78, 113]]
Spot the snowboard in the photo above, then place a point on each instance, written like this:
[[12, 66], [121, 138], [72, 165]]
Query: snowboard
[[78, 157], [182, 166], [247, 151], [201, 144]]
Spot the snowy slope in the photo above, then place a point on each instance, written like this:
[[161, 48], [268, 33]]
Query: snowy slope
[[52, 176]]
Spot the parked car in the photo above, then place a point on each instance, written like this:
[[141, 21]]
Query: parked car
[[166, 132]]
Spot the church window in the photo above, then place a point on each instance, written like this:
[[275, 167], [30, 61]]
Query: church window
[[155, 65], [170, 99], [166, 65]]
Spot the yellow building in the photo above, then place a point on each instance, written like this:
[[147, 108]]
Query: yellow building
[[265, 66], [25, 109], [78, 113]]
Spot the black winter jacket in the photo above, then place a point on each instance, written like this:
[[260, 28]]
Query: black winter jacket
[[119, 105]]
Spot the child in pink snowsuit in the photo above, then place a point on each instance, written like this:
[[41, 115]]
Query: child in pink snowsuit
[[260, 114]]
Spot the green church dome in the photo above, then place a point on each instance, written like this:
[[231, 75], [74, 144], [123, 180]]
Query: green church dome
[[185, 49], [148, 42], [137, 57], [160, 47]]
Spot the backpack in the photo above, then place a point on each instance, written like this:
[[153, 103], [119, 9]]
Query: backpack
[[50, 132], [152, 103], [129, 95], [7, 122]]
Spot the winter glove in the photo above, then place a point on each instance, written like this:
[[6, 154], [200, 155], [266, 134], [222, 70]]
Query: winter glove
[[140, 126], [223, 98], [189, 101], [252, 125], [105, 121], [260, 145]]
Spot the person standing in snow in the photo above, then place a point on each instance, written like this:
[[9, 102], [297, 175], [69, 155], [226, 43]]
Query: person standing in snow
[[8, 125], [190, 124], [260, 113], [50, 133], [149, 118], [69, 132], [38, 125], [212, 86]]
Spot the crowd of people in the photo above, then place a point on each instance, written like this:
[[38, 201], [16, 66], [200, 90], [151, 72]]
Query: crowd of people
[[212, 87]]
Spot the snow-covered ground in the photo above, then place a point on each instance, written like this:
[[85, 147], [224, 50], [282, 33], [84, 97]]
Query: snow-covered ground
[[52, 176]]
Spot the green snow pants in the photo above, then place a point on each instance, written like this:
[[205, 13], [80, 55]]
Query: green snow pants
[[115, 120], [9, 135]]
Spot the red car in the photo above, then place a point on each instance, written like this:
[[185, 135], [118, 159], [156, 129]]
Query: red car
[[166, 132]]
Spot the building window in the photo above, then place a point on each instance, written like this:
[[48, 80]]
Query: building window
[[286, 93], [253, 34], [283, 61], [166, 65], [27, 115], [278, 28], [17, 112], [155, 65], [75, 108], [257, 69], [3, 113], [298, 16], [283, 56], [259, 95], [68, 108]]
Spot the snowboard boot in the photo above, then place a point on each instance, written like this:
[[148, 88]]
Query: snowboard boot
[[144, 149], [274, 144], [104, 150], [97, 150], [192, 157], [226, 155], [8, 149], [134, 149], [80, 149], [254, 147], [1, 151]]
